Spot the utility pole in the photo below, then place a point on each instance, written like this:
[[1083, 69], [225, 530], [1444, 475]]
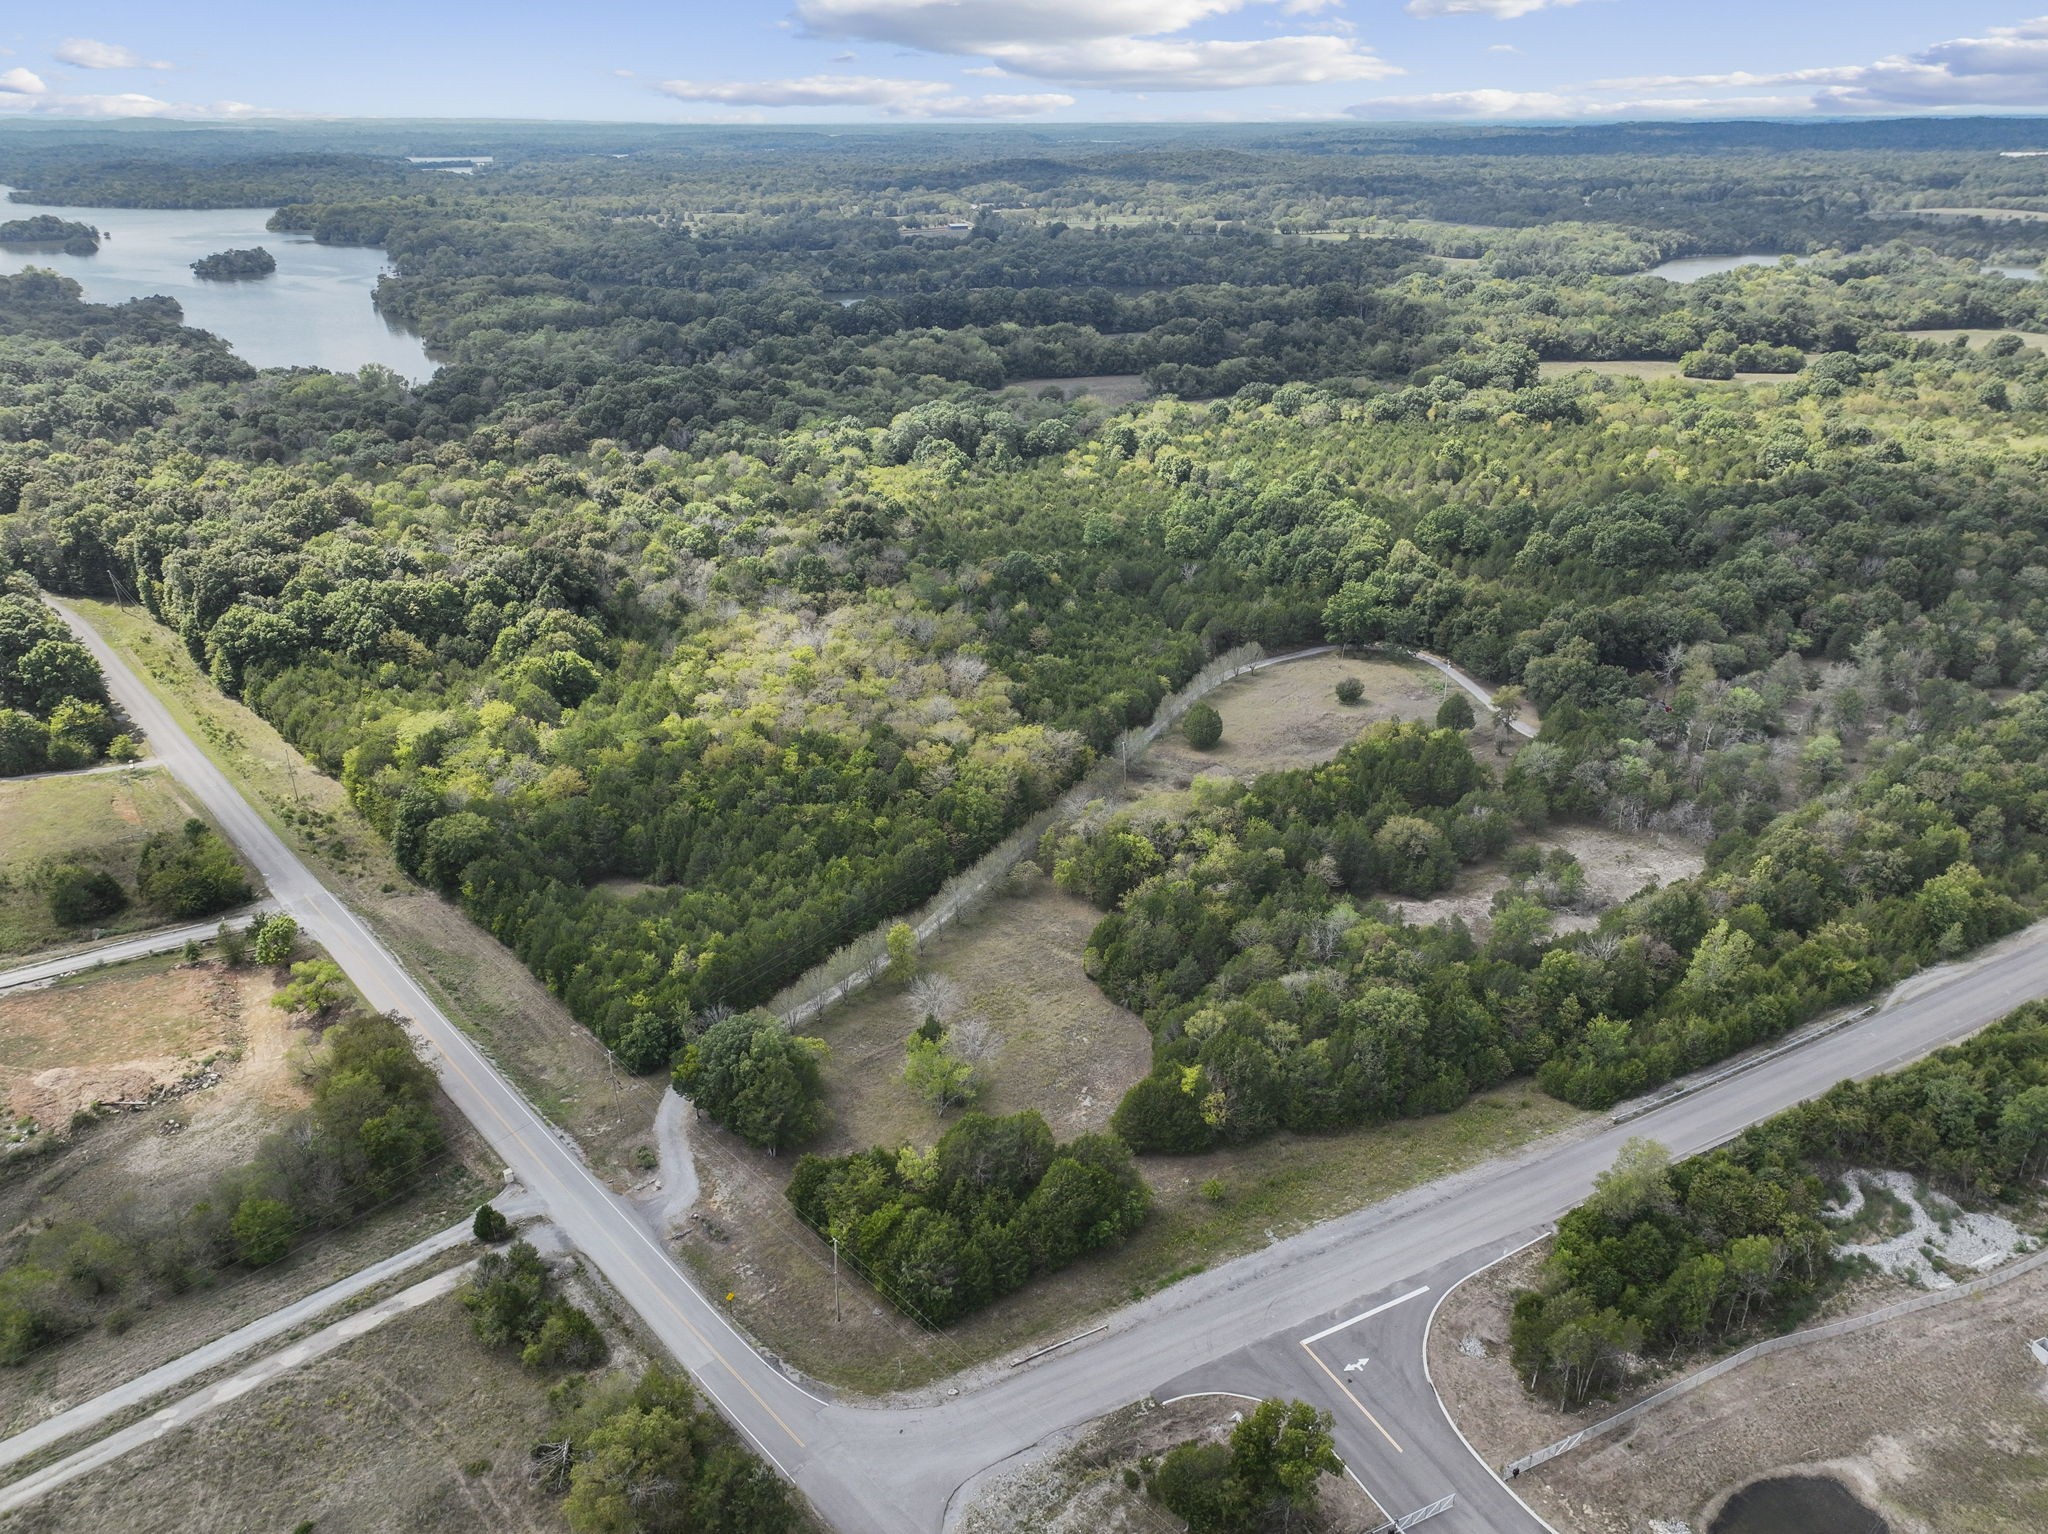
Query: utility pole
[[835, 1279]]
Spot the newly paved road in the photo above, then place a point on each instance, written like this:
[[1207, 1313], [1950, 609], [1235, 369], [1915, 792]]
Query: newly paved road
[[884, 1470]]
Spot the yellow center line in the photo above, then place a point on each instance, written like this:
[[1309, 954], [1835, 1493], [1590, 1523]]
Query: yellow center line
[[1352, 1397]]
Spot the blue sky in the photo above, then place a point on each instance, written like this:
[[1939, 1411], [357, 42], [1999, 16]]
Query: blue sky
[[1027, 60]]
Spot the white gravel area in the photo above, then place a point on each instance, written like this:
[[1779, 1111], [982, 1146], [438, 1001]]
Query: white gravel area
[[1941, 1228]]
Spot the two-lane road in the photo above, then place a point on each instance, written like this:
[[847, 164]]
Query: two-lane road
[[875, 1469]]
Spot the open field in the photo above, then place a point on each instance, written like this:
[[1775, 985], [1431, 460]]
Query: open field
[[98, 819], [1110, 389], [1289, 716], [555, 1061], [1081, 1489], [1066, 1049], [411, 1427], [749, 1243], [1939, 1419], [1979, 339]]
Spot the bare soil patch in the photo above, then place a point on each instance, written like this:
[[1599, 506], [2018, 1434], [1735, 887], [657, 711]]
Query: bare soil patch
[[1649, 369], [118, 1036], [1066, 1049], [1979, 339], [100, 820], [413, 1426], [1080, 1489], [1617, 865]]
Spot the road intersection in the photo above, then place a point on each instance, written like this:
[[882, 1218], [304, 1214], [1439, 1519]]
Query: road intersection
[[882, 1468]]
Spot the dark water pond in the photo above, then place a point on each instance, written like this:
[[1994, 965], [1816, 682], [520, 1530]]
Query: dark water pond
[[1797, 1504]]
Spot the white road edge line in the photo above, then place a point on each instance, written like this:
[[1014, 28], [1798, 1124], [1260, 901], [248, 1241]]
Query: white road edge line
[[1440, 1406], [1331, 1331]]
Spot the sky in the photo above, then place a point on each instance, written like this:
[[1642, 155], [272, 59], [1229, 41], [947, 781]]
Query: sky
[[838, 61]]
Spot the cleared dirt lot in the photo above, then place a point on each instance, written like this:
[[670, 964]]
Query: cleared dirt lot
[[98, 819], [1940, 1419], [1616, 866], [412, 1427], [117, 1034], [1649, 369]]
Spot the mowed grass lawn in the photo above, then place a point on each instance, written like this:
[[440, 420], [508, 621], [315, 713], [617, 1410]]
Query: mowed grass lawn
[[100, 820]]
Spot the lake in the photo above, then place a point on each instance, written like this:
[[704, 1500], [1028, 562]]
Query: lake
[[313, 311], [1693, 268]]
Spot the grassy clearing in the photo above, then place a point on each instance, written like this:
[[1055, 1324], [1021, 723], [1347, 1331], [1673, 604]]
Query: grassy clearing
[[749, 1243], [1067, 1050], [100, 820], [411, 1427], [1979, 339], [1649, 369], [553, 1059]]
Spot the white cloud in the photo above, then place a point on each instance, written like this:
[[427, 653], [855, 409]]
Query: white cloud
[[900, 98], [1504, 10], [1503, 48], [1119, 44], [84, 53], [127, 104], [1551, 106], [2004, 70], [22, 82]]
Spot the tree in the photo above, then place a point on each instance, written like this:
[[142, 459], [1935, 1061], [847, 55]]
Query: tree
[[263, 1229], [317, 987], [901, 941], [190, 873], [276, 939], [1507, 707], [938, 1074], [754, 1076], [1638, 1181], [1202, 726], [1455, 712], [490, 1225], [77, 895], [1275, 1457]]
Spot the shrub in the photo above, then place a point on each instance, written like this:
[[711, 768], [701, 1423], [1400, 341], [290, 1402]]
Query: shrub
[[276, 939], [80, 895], [263, 1229], [754, 1076], [1350, 690], [1455, 712], [190, 872], [490, 1226], [1202, 726]]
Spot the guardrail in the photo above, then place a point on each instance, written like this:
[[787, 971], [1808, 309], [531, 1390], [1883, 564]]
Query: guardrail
[[1420, 1515]]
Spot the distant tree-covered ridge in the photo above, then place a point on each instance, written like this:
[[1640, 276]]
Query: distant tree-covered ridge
[[230, 265]]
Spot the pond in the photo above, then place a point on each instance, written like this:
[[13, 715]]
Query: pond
[[2020, 273], [1693, 268], [313, 311], [1797, 1504]]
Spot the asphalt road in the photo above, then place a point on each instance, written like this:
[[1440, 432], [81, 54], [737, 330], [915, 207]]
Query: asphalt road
[[141, 946], [873, 1469]]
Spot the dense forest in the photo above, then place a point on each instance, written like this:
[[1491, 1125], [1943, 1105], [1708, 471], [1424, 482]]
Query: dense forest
[[53, 701], [748, 568]]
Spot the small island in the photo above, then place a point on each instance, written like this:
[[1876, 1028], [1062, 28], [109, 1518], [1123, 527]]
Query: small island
[[232, 265], [47, 229]]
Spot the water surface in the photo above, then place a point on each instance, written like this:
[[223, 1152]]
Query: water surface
[[313, 311], [1693, 268], [1797, 1504]]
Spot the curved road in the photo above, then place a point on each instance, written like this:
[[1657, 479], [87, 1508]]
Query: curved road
[[873, 1469]]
